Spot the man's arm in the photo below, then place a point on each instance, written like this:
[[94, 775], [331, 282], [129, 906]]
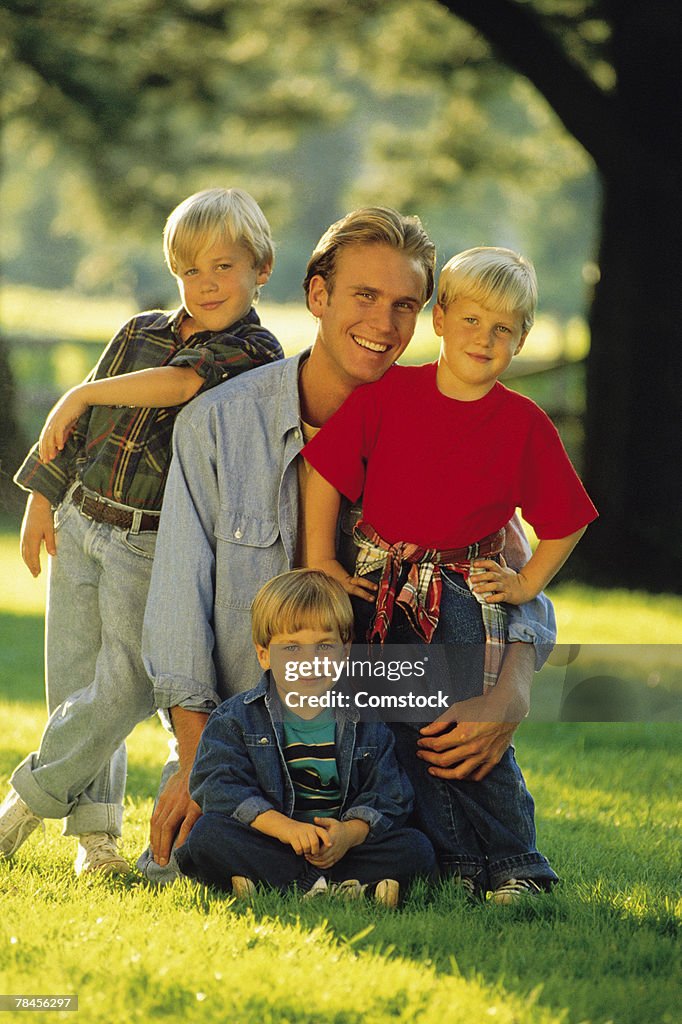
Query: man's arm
[[485, 725], [175, 812], [178, 638]]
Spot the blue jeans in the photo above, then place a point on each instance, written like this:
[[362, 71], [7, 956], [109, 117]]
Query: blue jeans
[[97, 687], [481, 830], [219, 847]]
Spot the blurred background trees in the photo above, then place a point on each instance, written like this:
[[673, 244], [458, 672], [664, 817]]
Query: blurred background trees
[[509, 122]]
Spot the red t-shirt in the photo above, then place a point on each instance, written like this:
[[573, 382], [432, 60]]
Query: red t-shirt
[[443, 473]]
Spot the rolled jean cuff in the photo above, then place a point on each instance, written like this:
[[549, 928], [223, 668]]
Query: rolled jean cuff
[[461, 867], [524, 865], [38, 800], [80, 817]]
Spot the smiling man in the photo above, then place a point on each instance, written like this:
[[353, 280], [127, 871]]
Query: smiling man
[[231, 514]]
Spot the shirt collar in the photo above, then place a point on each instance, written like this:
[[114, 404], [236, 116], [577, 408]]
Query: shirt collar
[[174, 318], [289, 409]]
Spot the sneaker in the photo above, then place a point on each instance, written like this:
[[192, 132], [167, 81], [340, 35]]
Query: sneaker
[[351, 889], [17, 821], [318, 888], [387, 893], [468, 888], [242, 887], [515, 889], [97, 851]]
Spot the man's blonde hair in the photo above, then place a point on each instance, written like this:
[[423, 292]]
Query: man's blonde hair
[[300, 599], [373, 225], [210, 216], [497, 278]]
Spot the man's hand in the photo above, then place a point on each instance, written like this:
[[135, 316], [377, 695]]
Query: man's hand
[[37, 528], [470, 750], [173, 817], [341, 836], [60, 424], [469, 739]]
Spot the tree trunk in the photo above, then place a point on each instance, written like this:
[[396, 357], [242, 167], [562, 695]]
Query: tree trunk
[[634, 375]]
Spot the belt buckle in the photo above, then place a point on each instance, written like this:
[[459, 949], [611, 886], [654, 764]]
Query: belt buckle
[[81, 505]]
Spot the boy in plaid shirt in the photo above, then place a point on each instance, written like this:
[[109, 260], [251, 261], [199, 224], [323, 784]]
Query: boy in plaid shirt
[[96, 482], [443, 454]]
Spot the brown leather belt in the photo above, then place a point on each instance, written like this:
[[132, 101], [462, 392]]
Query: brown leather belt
[[103, 511]]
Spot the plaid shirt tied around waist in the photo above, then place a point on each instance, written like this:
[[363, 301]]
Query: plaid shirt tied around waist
[[420, 595]]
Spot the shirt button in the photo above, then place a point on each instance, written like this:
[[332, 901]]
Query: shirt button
[[297, 434], [238, 534], [263, 739]]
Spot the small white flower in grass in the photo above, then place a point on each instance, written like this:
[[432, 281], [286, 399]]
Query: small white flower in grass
[[491, 1011], [13, 940], [200, 996], [218, 976]]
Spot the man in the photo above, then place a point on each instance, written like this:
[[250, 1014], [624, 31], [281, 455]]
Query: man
[[231, 509]]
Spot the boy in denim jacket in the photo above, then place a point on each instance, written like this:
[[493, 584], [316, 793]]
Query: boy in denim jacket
[[304, 798], [97, 479]]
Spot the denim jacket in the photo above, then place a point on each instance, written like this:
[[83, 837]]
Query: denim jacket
[[240, 768], [229, 524]]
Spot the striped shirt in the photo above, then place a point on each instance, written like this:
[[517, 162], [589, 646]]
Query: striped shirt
[[124, 452], [310, 755]]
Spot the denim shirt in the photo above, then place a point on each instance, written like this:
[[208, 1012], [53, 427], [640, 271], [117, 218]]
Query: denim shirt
[[229, 524], [240, 769]]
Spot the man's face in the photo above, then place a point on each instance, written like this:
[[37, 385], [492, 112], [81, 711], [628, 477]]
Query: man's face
[[368, 319]]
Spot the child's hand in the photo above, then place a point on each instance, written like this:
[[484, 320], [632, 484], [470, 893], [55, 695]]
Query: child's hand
[[37, 528], [60, 423], [358, 586], [499, 583], [342, 835], [304, 839]]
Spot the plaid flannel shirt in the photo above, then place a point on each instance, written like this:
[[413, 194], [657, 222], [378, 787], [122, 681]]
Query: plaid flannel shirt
[[420, 594], [121, 452]]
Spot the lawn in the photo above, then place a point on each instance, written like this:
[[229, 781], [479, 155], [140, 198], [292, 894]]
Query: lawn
[[602, 948]]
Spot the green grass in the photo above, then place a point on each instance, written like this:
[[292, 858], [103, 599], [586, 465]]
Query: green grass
[[602, 948]]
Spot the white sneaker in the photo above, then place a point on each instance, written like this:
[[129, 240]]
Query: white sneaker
[[387, 893], [17, 821], [242, 887], [515, 889], [97, 851], [319, 888], [351, 889]]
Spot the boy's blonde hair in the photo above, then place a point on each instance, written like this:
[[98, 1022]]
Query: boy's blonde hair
[[300, 599], [369, 225], [497, 278], [210, 216]]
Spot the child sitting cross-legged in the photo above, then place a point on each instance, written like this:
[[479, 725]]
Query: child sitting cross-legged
[[293, 794]]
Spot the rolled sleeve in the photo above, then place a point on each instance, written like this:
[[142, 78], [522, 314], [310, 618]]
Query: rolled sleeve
[[190, 694], [378, 823], [224, 356], [249, 809], [52, 479], [533, 623]]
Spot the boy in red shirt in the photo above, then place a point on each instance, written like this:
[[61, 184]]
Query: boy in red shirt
[[443, 454]]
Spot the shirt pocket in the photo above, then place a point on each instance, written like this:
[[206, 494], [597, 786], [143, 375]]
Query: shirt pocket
[[249, 552]]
